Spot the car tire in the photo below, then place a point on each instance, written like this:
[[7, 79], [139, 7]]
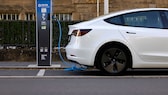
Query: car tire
[[113, 59]]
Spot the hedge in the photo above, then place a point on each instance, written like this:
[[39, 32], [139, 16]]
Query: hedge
[[23, 33]]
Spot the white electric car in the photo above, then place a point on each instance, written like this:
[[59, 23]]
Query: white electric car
[[135, 38]]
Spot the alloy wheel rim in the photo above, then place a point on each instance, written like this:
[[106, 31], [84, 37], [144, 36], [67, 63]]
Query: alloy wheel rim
[[114, 60]]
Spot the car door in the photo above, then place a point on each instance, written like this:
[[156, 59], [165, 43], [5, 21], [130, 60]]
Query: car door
[[145, 33]]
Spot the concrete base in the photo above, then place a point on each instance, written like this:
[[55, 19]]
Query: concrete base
[[52, 66]]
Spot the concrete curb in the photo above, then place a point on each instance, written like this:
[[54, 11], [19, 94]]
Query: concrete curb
[[55, 66], [31, 65], [83, 77], [24, 67]]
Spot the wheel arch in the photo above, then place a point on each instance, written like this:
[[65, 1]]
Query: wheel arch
[[116, 44]]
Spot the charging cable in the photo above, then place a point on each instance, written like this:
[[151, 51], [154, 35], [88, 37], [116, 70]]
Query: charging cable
[[72, 67]]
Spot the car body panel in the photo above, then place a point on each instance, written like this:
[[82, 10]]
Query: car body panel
[[86, 47], [149, 44]]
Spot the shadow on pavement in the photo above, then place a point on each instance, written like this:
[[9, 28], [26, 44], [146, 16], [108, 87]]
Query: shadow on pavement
[[141, 72]]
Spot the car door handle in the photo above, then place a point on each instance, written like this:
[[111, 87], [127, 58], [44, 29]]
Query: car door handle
[[130, 32]]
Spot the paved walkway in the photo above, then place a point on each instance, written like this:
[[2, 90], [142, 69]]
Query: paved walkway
[[58, 65]]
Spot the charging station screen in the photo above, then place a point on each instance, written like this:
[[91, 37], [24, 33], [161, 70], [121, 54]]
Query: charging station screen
[[43, 32]]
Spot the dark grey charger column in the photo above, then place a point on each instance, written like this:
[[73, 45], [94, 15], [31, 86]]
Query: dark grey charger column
[[43, 32]]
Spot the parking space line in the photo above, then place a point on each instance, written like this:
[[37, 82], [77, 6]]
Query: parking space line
[[41, 72]]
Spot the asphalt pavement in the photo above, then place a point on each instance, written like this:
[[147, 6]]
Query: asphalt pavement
[[26, 78], [89, 73], [83, 86], [57, 69]]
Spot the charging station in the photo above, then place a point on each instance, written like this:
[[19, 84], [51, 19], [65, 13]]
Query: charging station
[[44, 35], [43, 32]]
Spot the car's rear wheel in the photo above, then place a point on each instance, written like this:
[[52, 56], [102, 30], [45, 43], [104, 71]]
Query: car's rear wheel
[[113, 59]]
